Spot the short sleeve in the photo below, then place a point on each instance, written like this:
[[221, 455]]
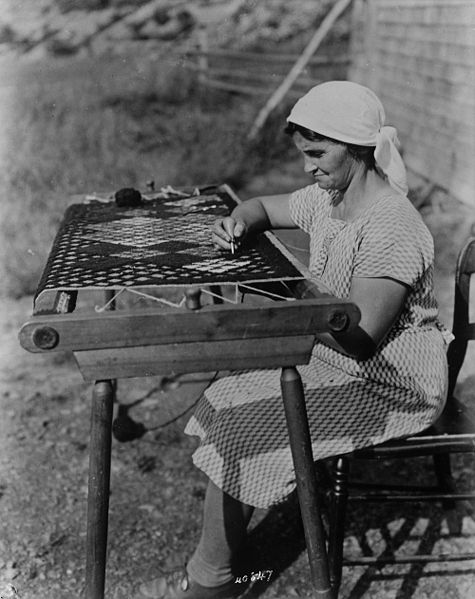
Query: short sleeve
[[394, 243], [306, 205]]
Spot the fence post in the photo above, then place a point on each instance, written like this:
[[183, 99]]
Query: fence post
[[299, 65], [370, 46], [203, 55]]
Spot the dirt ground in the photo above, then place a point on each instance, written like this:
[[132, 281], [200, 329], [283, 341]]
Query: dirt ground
[[157, 494]]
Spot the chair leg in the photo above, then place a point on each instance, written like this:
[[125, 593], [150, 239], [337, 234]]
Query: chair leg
[[338, 505], [443, 473]]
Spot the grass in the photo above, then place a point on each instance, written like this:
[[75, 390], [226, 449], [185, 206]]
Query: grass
[[101, 124]]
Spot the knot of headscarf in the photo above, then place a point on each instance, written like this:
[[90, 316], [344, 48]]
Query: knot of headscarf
[[352, 113], [388, 158]]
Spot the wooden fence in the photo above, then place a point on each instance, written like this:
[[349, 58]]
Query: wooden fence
[[259, 73], [275, 75]]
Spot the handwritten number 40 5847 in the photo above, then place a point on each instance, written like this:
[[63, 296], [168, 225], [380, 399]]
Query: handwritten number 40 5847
[[260, 575]]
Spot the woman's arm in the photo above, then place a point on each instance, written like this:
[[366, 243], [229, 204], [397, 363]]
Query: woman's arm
[[256, 214], [380, 301]]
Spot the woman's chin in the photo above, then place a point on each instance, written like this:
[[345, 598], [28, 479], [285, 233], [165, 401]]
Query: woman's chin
[[323, 184]]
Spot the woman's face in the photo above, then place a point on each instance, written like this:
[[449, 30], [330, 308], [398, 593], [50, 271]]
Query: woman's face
[[330, 163]]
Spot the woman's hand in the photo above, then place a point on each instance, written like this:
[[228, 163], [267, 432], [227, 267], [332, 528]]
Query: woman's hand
[[227, 230], [254, 215]]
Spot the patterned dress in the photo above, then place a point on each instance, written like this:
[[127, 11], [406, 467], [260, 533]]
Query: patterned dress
[[351, 404]]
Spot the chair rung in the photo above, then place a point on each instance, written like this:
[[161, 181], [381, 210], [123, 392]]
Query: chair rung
[[415, 448], [373, 487], [414, 496], [446, 438], [409, 559]]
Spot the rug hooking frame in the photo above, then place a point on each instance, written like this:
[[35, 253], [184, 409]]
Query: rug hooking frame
[[121, 248], [129, 343]]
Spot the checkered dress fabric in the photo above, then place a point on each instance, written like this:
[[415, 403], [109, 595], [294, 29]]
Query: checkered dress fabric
[[351, 404]]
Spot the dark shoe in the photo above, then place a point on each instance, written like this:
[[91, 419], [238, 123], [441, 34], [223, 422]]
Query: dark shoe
[[178, 585]]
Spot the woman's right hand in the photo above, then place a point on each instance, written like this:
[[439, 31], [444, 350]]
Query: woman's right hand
[[228, 229]]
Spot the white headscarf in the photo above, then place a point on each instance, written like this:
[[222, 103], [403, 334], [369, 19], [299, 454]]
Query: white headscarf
[[351, 113]]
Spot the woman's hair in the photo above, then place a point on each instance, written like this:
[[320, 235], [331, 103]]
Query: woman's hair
[[364, 154]]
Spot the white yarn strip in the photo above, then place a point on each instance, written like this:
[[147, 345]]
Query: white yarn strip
[[111, 301], [269, 293], [221, 297], [162, 300]]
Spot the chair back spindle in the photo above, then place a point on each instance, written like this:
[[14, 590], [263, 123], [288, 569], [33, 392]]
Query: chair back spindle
[[463, 329]]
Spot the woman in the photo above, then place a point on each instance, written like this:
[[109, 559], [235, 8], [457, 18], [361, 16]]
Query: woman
[[384, 380]]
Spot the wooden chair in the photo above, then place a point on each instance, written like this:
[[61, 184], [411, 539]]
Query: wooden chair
[[452, 433]]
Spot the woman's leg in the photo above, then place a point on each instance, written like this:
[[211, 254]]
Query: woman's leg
[[225, 521]]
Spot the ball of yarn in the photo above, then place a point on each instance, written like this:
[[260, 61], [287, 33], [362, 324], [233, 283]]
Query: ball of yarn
[[128, 197]]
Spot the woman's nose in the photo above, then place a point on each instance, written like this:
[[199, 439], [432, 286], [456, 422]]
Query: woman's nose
[[309, 165]]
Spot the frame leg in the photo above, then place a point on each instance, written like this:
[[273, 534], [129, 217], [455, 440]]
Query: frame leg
[[300, 444], [98, 488]]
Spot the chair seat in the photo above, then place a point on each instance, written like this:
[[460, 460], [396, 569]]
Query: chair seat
[[454, 429]]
